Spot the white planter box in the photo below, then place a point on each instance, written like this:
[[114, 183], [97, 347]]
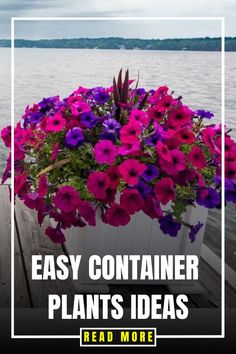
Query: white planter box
[[141, 236]]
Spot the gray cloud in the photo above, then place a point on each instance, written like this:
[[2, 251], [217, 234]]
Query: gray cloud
[[37, 8]]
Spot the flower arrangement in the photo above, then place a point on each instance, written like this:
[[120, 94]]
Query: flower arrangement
[[120, 150]]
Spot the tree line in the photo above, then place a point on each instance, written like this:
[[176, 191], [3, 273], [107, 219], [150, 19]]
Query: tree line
[[193, 44]]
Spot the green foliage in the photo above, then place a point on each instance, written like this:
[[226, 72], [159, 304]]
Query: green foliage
[[193, 44]]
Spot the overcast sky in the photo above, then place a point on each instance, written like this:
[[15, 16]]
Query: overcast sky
[[152, 29]]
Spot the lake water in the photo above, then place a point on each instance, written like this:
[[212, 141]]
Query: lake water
[[194, 75]]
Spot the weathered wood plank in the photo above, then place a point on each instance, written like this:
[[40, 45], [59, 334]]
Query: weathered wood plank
[[33, 241], [211, 282], [5, 247], [21, 293]]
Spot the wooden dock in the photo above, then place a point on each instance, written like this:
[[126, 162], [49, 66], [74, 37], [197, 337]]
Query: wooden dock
[[30, 239]]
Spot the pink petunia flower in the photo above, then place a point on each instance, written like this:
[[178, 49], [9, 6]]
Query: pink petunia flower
[[114, 176], [105, 152], [67, 199], [56, 235], [43, 186], [66, 219], [6, 136], [87, 212], [155, 113], [165, 103], [129, 148], [197, 158], [230, 170], [152, 208], [165, 190], [20, 183], [19, 153], [177, 164], [55, 151], [130, 132], [208, 135], [20, 135], [55, 123], [139, 116], [131, 200], [163, 151], [185, 136], [79, 107], [130, 170], [33, 201], [116, 215], [110, 196], [180, 117], [97, 184]]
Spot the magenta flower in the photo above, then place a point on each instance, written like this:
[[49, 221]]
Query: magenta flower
[[165, 103], [55, 151], [20, 183], [197, 158], [155, 114], [129, 148], [55, 123], [180, 117], [177, 164], [105, 152], [185, 136], [33, 201], [43, 186], [152, 208], [79, 107], [56, 235], [87, 212], [97, 184], [130, 133], [6, 136], [20, 136], [139, 116], [131, 200], [116, 215], [163, 151], [165, 190], [67, 199], [114, 176], [130, 170]]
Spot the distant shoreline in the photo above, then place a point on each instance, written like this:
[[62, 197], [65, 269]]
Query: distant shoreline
[[175, 44]]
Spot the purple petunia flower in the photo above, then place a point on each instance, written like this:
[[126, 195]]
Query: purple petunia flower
[[151, 172], [194, 230], [208, 197], [111, 125], [230, 191], [144, 189], [140, 91], [100, 95], [155, 137], [88, 119], [169, 226], [108, 136], [152, 140], [74, 138], [36, 117], [204, 114]]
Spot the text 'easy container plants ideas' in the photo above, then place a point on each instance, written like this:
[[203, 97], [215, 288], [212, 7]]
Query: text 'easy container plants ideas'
[[123, 161]]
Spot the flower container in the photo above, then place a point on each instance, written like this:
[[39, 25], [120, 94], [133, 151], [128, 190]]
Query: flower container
[[142, 236]]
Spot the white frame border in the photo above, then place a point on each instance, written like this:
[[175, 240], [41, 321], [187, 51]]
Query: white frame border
[[222, 22]]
